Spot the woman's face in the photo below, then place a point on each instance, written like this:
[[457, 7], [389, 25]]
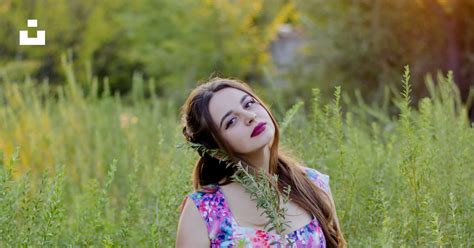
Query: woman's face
[[236, 114]]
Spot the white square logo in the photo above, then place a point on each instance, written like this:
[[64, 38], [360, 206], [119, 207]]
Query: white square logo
[[38, 40]]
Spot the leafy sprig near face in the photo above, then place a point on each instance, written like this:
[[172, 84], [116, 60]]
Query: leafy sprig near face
[[219, 154], [261, 187]]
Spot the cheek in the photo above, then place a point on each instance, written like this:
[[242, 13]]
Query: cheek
[[273, 127], [236, 140], [262, 112]]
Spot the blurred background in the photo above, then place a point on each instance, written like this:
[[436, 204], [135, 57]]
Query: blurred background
[[283, 47], [378, 94]]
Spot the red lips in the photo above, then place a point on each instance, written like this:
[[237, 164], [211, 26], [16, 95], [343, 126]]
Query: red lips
[[258, 129]]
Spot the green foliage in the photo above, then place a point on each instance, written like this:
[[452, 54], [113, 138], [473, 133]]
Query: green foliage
[[176, 43], [262, 188], [400, 181], [365, 44], [289, 116], [92, 27]]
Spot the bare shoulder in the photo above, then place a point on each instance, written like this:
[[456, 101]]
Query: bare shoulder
[[192, 231], [232, 187]]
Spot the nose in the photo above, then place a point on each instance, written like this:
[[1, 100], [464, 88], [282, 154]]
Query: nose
[[249, 117]]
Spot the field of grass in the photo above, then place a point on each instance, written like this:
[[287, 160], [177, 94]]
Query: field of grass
[[84, 169]]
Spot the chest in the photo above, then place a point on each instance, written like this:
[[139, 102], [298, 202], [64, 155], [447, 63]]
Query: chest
[[245, 212]]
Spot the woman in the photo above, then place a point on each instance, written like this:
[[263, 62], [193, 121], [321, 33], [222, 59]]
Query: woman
[[225, 114]]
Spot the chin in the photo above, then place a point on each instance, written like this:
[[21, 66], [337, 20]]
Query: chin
[[267, 141], [264, 142], [271, 137]]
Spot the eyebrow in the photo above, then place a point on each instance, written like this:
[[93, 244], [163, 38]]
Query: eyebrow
[[230, 111]]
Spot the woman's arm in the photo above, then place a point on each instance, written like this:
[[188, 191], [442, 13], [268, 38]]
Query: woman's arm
[[192, 231]]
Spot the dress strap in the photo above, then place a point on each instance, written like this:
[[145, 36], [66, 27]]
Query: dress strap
[[215, 213], [321, 180]]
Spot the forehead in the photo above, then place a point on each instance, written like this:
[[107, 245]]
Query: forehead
[[223, 101]]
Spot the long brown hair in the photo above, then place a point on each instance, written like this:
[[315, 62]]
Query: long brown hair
[[198, 127]]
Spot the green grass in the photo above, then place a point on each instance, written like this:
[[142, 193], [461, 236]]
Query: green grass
[[85, 169]]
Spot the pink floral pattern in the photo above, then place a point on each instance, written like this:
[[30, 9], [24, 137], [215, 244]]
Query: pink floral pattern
[[224, 231]]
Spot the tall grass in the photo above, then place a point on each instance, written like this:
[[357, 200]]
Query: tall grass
[[85, 169]]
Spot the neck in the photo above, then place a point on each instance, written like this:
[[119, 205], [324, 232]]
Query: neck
[[259, 159]]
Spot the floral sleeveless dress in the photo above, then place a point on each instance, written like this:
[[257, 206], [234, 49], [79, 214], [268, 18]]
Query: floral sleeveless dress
[[224, 231]]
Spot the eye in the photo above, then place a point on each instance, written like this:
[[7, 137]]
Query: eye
[[251, 101], [247, 105], [229, 123]]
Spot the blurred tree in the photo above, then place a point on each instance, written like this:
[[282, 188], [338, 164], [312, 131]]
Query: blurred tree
[[453, 17], [181, 42], [365, 44], [174, 42], [87, 27], [357, 44]]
